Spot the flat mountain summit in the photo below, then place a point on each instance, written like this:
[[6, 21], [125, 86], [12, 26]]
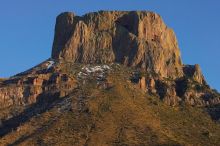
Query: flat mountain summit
[[113, 78], [139, 39]]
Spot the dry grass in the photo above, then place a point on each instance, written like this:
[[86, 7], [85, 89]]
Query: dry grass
[[120, 116]]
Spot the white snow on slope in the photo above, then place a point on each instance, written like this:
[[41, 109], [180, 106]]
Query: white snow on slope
[[98, 71], [50, 64]]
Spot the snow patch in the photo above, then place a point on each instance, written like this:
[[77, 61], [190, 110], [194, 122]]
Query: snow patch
[[99, 72], [50, 64]]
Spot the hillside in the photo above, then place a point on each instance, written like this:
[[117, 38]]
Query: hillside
[[114, 78]]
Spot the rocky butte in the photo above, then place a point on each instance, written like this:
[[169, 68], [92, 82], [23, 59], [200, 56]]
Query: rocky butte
[[138, 39], [135, 39], [100, 52]]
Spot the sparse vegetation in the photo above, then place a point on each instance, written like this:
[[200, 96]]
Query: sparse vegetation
[[121, 115]]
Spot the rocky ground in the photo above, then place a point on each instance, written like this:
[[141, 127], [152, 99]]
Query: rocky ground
[[105, 104]]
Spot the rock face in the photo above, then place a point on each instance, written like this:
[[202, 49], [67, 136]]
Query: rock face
[[142, 83], [35, 86], [194, 72], [136, 38]]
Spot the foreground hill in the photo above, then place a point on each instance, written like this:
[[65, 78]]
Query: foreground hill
[[114, 78]]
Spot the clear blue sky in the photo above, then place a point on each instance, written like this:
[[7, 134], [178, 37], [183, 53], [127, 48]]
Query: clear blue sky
[[27, 29]]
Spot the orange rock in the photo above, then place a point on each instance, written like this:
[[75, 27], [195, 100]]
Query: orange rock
[[142, 83], [131, 38]]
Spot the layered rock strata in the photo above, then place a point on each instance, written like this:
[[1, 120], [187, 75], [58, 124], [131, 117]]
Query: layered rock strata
[[35, 86]]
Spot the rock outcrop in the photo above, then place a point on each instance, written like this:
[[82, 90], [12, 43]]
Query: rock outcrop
[[136, 38], [34, 86], [142, 83], [190, 89], [194, 72]]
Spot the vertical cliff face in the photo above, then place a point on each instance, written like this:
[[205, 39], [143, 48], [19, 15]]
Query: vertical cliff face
[[139, 39]]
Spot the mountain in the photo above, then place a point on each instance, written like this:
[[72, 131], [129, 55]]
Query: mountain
[[139, 39], [114, 78]]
